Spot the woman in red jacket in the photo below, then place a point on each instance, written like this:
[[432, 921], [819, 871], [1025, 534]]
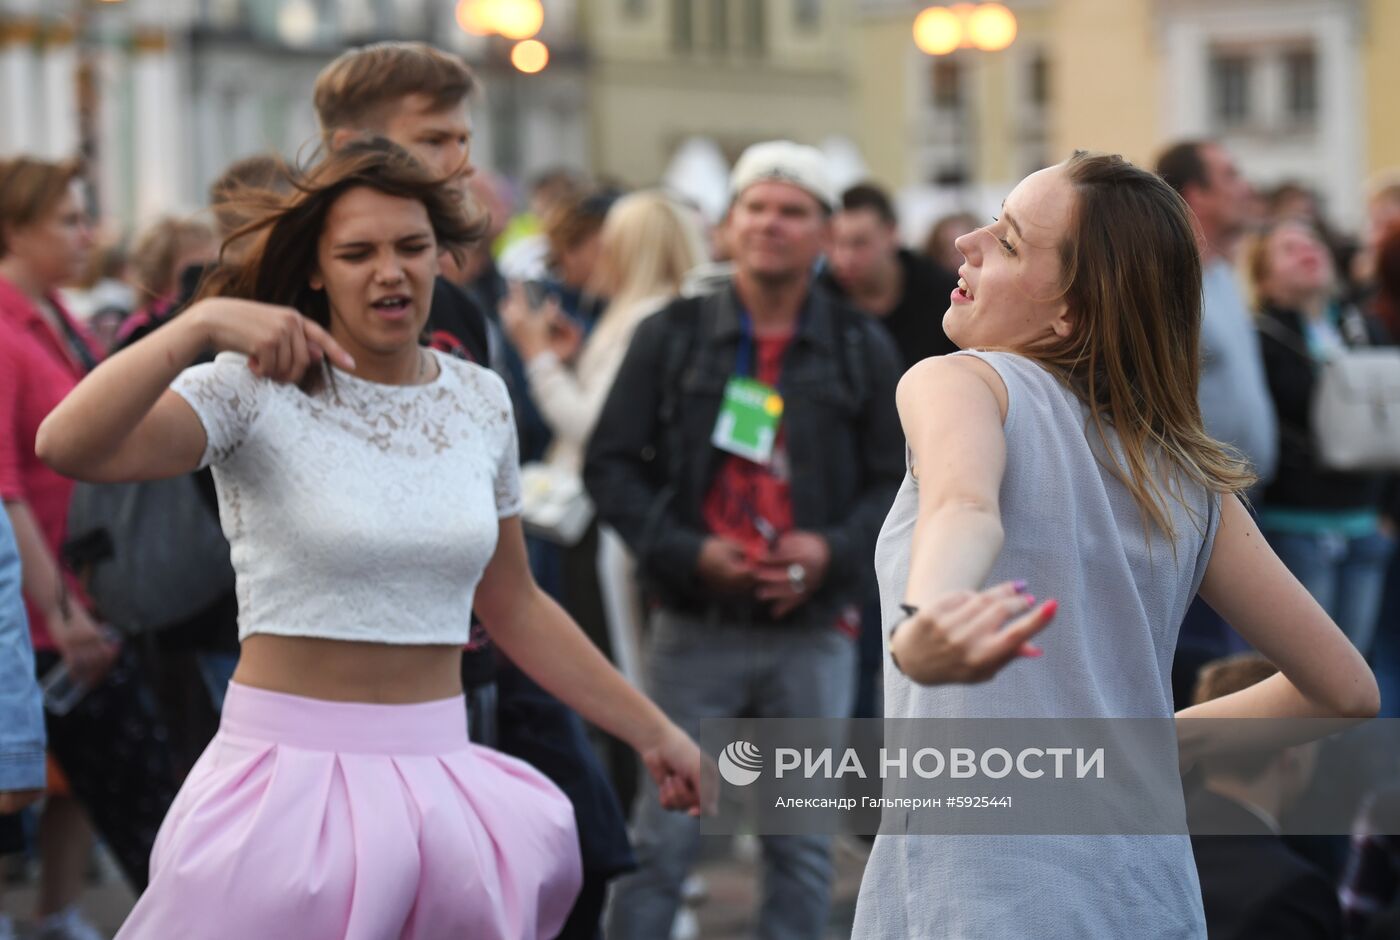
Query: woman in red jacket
[[118, 767]]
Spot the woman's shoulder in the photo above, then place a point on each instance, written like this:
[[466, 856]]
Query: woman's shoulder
[[1010, 368], [461, 370], [480, 381], [227, 379]]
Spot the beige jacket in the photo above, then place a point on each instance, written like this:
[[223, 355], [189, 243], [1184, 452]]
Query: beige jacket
[[571, 397]]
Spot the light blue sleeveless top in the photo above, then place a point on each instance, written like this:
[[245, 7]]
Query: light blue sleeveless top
[[1075, 533]]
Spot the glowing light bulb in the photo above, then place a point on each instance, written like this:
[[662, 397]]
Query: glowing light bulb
[[530, 56], [991, 27], [517, 19], [938, 31], [476, 16]]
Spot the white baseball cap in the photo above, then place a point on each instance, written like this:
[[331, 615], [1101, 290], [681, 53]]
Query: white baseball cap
[[786, 162]]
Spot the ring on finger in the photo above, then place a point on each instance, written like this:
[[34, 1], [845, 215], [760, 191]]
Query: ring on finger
[[797, 577]]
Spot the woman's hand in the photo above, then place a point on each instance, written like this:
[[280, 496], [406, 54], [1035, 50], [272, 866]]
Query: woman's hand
[[685, 778], [87, 652], [529, 327], [279, 342], [565, 335], [967, 636]]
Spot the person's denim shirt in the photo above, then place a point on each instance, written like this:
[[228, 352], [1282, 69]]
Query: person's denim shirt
[[21, 706]]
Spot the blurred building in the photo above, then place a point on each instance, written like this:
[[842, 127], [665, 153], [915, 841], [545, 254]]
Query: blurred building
[[732, 71], [1299, 89], [160, 95]]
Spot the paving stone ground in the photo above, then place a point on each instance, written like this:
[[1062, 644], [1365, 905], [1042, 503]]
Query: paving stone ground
[[726, 913]]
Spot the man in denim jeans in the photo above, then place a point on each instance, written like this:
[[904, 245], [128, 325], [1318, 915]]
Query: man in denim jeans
[[21, 707], [747, 454]]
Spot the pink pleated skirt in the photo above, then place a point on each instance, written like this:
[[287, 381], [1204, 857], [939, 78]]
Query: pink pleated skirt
[[314, 820]]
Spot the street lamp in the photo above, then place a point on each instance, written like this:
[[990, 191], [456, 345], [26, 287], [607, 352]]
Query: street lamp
[[513, 19], [530, 56], [990, 27]]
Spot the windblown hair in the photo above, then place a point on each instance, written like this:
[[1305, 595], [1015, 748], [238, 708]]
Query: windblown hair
[[30, 189], [285, 230], [1132, 280], [358, 88]]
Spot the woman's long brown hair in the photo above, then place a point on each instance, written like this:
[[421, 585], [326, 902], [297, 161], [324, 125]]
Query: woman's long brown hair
[[286, 229], [1132, 275]]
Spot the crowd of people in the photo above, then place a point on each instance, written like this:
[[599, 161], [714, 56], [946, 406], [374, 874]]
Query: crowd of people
[[453, 482]]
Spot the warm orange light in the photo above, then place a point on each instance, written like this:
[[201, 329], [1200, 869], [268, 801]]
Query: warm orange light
[[475, 16], [530, 56], [938, 31], [518, 19], [991, 27]]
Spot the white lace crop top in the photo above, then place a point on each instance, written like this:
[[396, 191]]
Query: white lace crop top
[[361, 511]]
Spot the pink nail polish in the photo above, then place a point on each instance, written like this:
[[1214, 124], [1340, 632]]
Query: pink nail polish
[[1051, 606], [1033, 652], [1030, 598], [1019, 585]]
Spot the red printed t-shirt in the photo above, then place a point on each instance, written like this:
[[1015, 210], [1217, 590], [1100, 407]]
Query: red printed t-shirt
[[742, 488], [37, 369]]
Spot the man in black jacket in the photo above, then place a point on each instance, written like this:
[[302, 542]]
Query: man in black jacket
[[747, 454], [905, 292]]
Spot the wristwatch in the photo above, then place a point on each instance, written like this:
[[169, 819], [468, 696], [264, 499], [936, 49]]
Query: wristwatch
[[909, 611]]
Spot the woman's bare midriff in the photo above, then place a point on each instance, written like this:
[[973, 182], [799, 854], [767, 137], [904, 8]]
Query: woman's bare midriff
[[350, 671]]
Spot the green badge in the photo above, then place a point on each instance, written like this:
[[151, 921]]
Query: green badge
[[748, 419]]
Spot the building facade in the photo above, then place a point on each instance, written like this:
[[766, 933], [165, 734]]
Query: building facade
[[161, 95], [1299, 89], [732, 71]]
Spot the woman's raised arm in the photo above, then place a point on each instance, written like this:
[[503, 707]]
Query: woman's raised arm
[[122, 423]]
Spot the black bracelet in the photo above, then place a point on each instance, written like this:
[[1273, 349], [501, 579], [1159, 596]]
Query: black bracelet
[[909, 611]]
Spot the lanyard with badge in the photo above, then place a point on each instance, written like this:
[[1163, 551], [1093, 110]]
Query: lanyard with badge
[[752, 411]]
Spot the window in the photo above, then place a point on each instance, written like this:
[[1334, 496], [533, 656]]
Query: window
[[756, 27], [807, 15], [683, 25], [1038, 81], [947, 84], [1229, 81], [719, 25], [1300, 86]]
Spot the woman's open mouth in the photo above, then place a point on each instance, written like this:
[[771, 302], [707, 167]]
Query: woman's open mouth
[[393, 307], [962, 293]]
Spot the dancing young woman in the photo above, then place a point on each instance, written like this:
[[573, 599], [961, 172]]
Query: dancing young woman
[[1065, 446], [369, 490]]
